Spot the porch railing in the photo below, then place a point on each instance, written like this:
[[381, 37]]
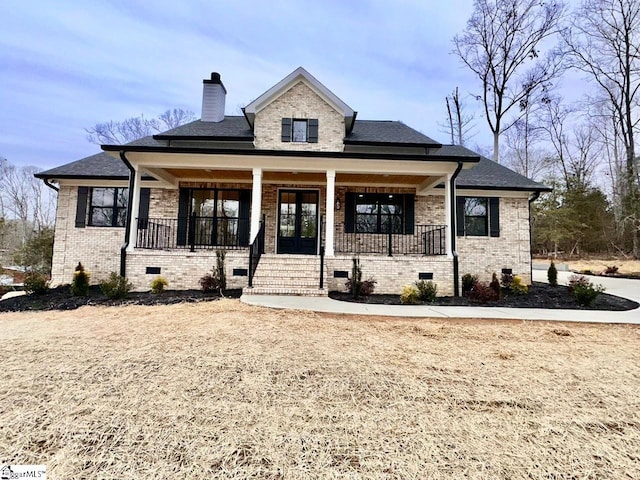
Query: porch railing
[[193, 233], [256, 249], [426, 240]]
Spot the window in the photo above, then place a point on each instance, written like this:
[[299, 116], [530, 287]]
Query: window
[[377, 213], [300, 130], [476, 221], [108, 207], [478, 216], [213, 217]]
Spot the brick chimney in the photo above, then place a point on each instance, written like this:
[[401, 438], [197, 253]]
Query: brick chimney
[[213, 99]]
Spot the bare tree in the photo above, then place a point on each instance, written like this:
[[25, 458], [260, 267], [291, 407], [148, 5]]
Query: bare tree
[[459, 123], [501, 46], [130, 129], [604, 42]]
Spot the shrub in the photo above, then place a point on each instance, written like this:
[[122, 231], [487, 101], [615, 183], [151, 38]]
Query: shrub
[[612, 270], [115, 287], [410, 295], [355, 285], [428, 291], [495, 284], [468, 282], [586, 271], [36, 282], [552, 275], [216, 281], [583, 290], [482, 293], [518, 287], [506, 280], [80, 282], [158, 284]]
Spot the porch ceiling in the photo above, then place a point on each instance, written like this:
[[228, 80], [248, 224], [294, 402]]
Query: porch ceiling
[[301, 177]]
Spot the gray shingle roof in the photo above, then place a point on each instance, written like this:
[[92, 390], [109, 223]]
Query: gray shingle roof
[[231, 126], [486, 174], [94, 166], [489, 174], [369, 131]]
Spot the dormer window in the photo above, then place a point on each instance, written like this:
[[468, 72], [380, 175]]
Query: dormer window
[[300, 130]]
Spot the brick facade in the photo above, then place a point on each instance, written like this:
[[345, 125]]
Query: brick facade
[[483, 256], [299, 102], [98, 248]]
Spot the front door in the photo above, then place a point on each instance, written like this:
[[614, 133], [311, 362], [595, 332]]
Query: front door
[[298, 221]]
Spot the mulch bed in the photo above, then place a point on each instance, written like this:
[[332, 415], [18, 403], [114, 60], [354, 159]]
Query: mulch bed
[[541, 295], [60, 299]]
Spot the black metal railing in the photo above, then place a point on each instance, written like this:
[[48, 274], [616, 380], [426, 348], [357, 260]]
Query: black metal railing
[[256, 249], [426, 240], [194, 233]]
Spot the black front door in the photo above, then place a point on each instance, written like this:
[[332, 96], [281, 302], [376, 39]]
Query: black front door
[[298, 221]]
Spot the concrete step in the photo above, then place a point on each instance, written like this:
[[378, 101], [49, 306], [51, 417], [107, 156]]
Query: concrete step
[[299, 291]]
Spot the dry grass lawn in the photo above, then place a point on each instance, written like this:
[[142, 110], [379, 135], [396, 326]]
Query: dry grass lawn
[[226, 390], [624, 266]]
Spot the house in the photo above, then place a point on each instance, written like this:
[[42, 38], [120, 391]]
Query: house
[[292, 191]]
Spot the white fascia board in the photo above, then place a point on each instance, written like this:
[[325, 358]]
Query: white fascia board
[[229, 161]]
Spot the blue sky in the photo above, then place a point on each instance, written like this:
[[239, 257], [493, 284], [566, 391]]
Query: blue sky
[[66, 65]]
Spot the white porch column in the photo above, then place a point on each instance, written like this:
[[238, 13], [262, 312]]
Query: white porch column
[[330, 213], [447, 215], [256, 203], [135, 209]]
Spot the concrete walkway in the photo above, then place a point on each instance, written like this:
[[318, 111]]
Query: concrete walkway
[[616, 286]]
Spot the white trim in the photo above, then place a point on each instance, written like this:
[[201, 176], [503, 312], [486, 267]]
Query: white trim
[[329, 212], [134, 209], [256, 204]]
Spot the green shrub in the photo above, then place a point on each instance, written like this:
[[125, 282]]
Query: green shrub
[[355, 285], [410, 295], [482, 293], [115, 287], [552, 275], [216, 281], [468, 282], [427, 290], [495, 284], [80, 282], [158, 284], [583, 290], [36, 282], [518, 287]]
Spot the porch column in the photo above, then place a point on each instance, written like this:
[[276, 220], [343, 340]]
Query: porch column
[[447, 215], [135, 208], [256, 203], [330, 213]]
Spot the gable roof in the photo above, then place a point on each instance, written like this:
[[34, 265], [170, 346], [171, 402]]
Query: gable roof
[[286, 83]]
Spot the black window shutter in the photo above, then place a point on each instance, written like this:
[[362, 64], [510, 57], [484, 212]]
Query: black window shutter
[[81, 207], [244, 221], [494, 217], [349, 212], [286, 129], [312, 137], [143, 211], [409, 215], [183, 215], [460, 201]]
